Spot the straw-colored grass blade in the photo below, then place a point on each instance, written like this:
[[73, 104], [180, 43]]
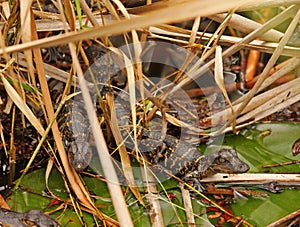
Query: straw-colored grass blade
[[21, 104], [126, 163]]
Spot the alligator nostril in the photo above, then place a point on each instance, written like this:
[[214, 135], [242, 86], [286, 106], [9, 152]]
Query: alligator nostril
[[244, 167]]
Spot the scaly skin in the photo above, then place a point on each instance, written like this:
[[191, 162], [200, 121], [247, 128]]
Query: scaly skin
[[29, 218], [179, 157], [75, 130], [183, 159], [176, 156]]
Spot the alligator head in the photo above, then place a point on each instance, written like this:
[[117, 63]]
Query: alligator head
[[222, 161]]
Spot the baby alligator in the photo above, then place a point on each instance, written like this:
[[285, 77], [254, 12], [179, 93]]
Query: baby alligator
[[178, 157], [74, 127], [181, 158], [29, 218], [184, 160]]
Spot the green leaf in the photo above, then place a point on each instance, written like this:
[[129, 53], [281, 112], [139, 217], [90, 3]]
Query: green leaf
[[79, 14], [255, 146], [259, 150]]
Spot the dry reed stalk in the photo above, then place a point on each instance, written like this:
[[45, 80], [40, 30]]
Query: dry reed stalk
[[249, 108]]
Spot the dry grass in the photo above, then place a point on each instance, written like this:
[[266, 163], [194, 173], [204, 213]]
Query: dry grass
[[154, 21]]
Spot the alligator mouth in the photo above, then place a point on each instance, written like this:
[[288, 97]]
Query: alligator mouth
[[240, 168]]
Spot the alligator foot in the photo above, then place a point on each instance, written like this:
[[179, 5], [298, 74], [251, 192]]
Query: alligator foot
[[195, 183]]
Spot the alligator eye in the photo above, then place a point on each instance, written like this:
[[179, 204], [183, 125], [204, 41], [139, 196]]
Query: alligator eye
[[222, 160]]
